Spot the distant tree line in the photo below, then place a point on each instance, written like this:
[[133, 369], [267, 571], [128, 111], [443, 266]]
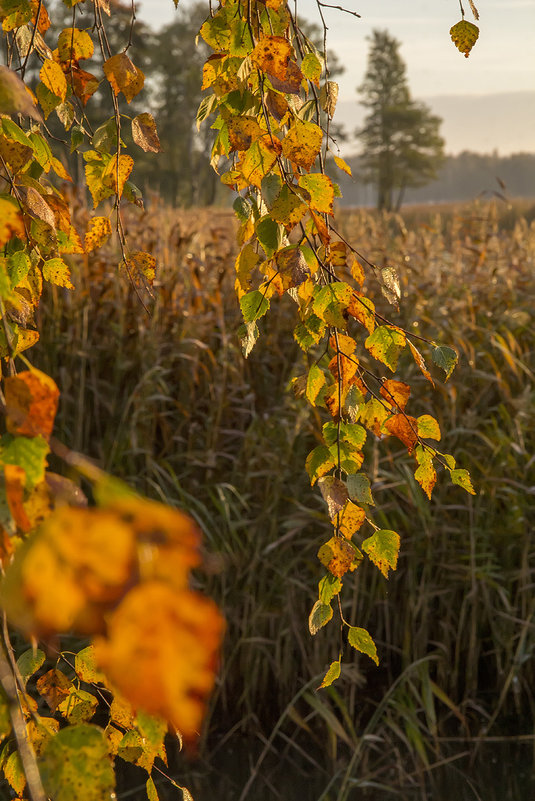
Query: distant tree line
[[461, 177]]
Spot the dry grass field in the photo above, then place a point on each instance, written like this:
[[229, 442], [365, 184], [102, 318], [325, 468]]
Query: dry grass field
[[167, 402]]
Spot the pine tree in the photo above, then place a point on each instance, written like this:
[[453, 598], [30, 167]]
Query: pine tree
[[402, 144]]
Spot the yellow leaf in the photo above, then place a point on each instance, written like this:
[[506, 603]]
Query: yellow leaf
[[338, 555], [343, 165], [302, 144], [98, 232], [124, 76], [464, 35], [161, 651], [10, 221], [272, 54], [350, 519], [118, 175], [395, 393], [55, 271], [74, 45], [145, 264], [321, 191], [53, 78]]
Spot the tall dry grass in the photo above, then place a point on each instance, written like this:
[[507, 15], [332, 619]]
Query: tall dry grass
[[167, 402]]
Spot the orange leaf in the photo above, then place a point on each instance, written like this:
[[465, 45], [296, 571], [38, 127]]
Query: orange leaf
[[10, 221], [405, 428], [144, 133], [272, 54], [124, 76], [350, 519], [15, 481], [395, 393], [338, 555], [31, 403], [161, 652], [242, 132]]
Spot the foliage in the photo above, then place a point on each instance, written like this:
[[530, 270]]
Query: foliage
[[101, 571], [401, 141]]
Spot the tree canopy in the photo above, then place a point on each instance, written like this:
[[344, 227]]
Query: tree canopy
[[400, 137]]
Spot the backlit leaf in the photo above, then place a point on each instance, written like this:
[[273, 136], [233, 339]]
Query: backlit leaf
[[79, 706], [14, 773], [319, 617], [98, 232], [320, 189], [302, 144], [142, 650], [418, 358], [362, 308], [259, 160], [53, 78], [272, 54], [31, 403], [350, 519], [332, 674], [54, 686], [329, 586], [329, 97], [124, 76], [75, 764], [428, 427], [386, 344], [464, 35], [14, 96], [446, 358], [343, 165], [311, 67], [86, 668], [28, 453], [405, 428], [383, 548], [395, 393], [74, 45], [145, 134], [55, 271], [360, 640], [338, 556], [319, 462], [462, 479], [254, 305], [316, 382]]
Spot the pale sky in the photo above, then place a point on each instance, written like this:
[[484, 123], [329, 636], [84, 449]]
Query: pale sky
[[502, 61]]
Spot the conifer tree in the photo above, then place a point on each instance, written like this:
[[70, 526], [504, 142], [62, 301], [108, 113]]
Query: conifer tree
[[402, 144]]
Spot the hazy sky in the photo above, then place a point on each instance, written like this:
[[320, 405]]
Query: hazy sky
[[502, 61]]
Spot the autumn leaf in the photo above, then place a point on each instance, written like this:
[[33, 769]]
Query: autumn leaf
[[464, 35], [395, 393], [360, 639], [420, 362], [405, 428], [320, 190], [320, 615], [302, 143], [428, 427], [386, 344], [446, 358], [31, 399], [338, 556], [350, 519], [74, 44], [382, 548], [55, 271], [98, 232], [164, 663], [144, 264], [144, 133], [319, 461], [10, 220], [53, 78], [425, 474], [124, 76], [15, 97], [272, 54], [462, 479], [54, 686], [76, 763], [334, 494], [332, 674]]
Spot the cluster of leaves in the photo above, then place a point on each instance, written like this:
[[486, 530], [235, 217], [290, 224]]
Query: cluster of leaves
[[274, 101], [117, 572]]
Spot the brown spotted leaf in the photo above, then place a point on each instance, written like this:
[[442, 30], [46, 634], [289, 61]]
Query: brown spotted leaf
[[395, 393], [31, 403], [383, 548], [464, 35], [54, 686], [124, 76], [334, 494], [302, 143], [144, 133], [98, 232], [339, 556]]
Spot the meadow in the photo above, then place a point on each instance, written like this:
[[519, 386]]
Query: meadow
[[166, 401]]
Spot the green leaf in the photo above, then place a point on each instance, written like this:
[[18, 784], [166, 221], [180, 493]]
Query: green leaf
[[359, 489], [382, 548], [152, 793], [445, 358], [79, 706], [253, 306], [269, 235], [27, 452], [386, 344], [332, 674], [75, 764], [242, 208], [361, 641], [5, 717], [462, 479], [328, 587], [29, 663], [331, 301], [319, 462], [271, 185], [319, 617]]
